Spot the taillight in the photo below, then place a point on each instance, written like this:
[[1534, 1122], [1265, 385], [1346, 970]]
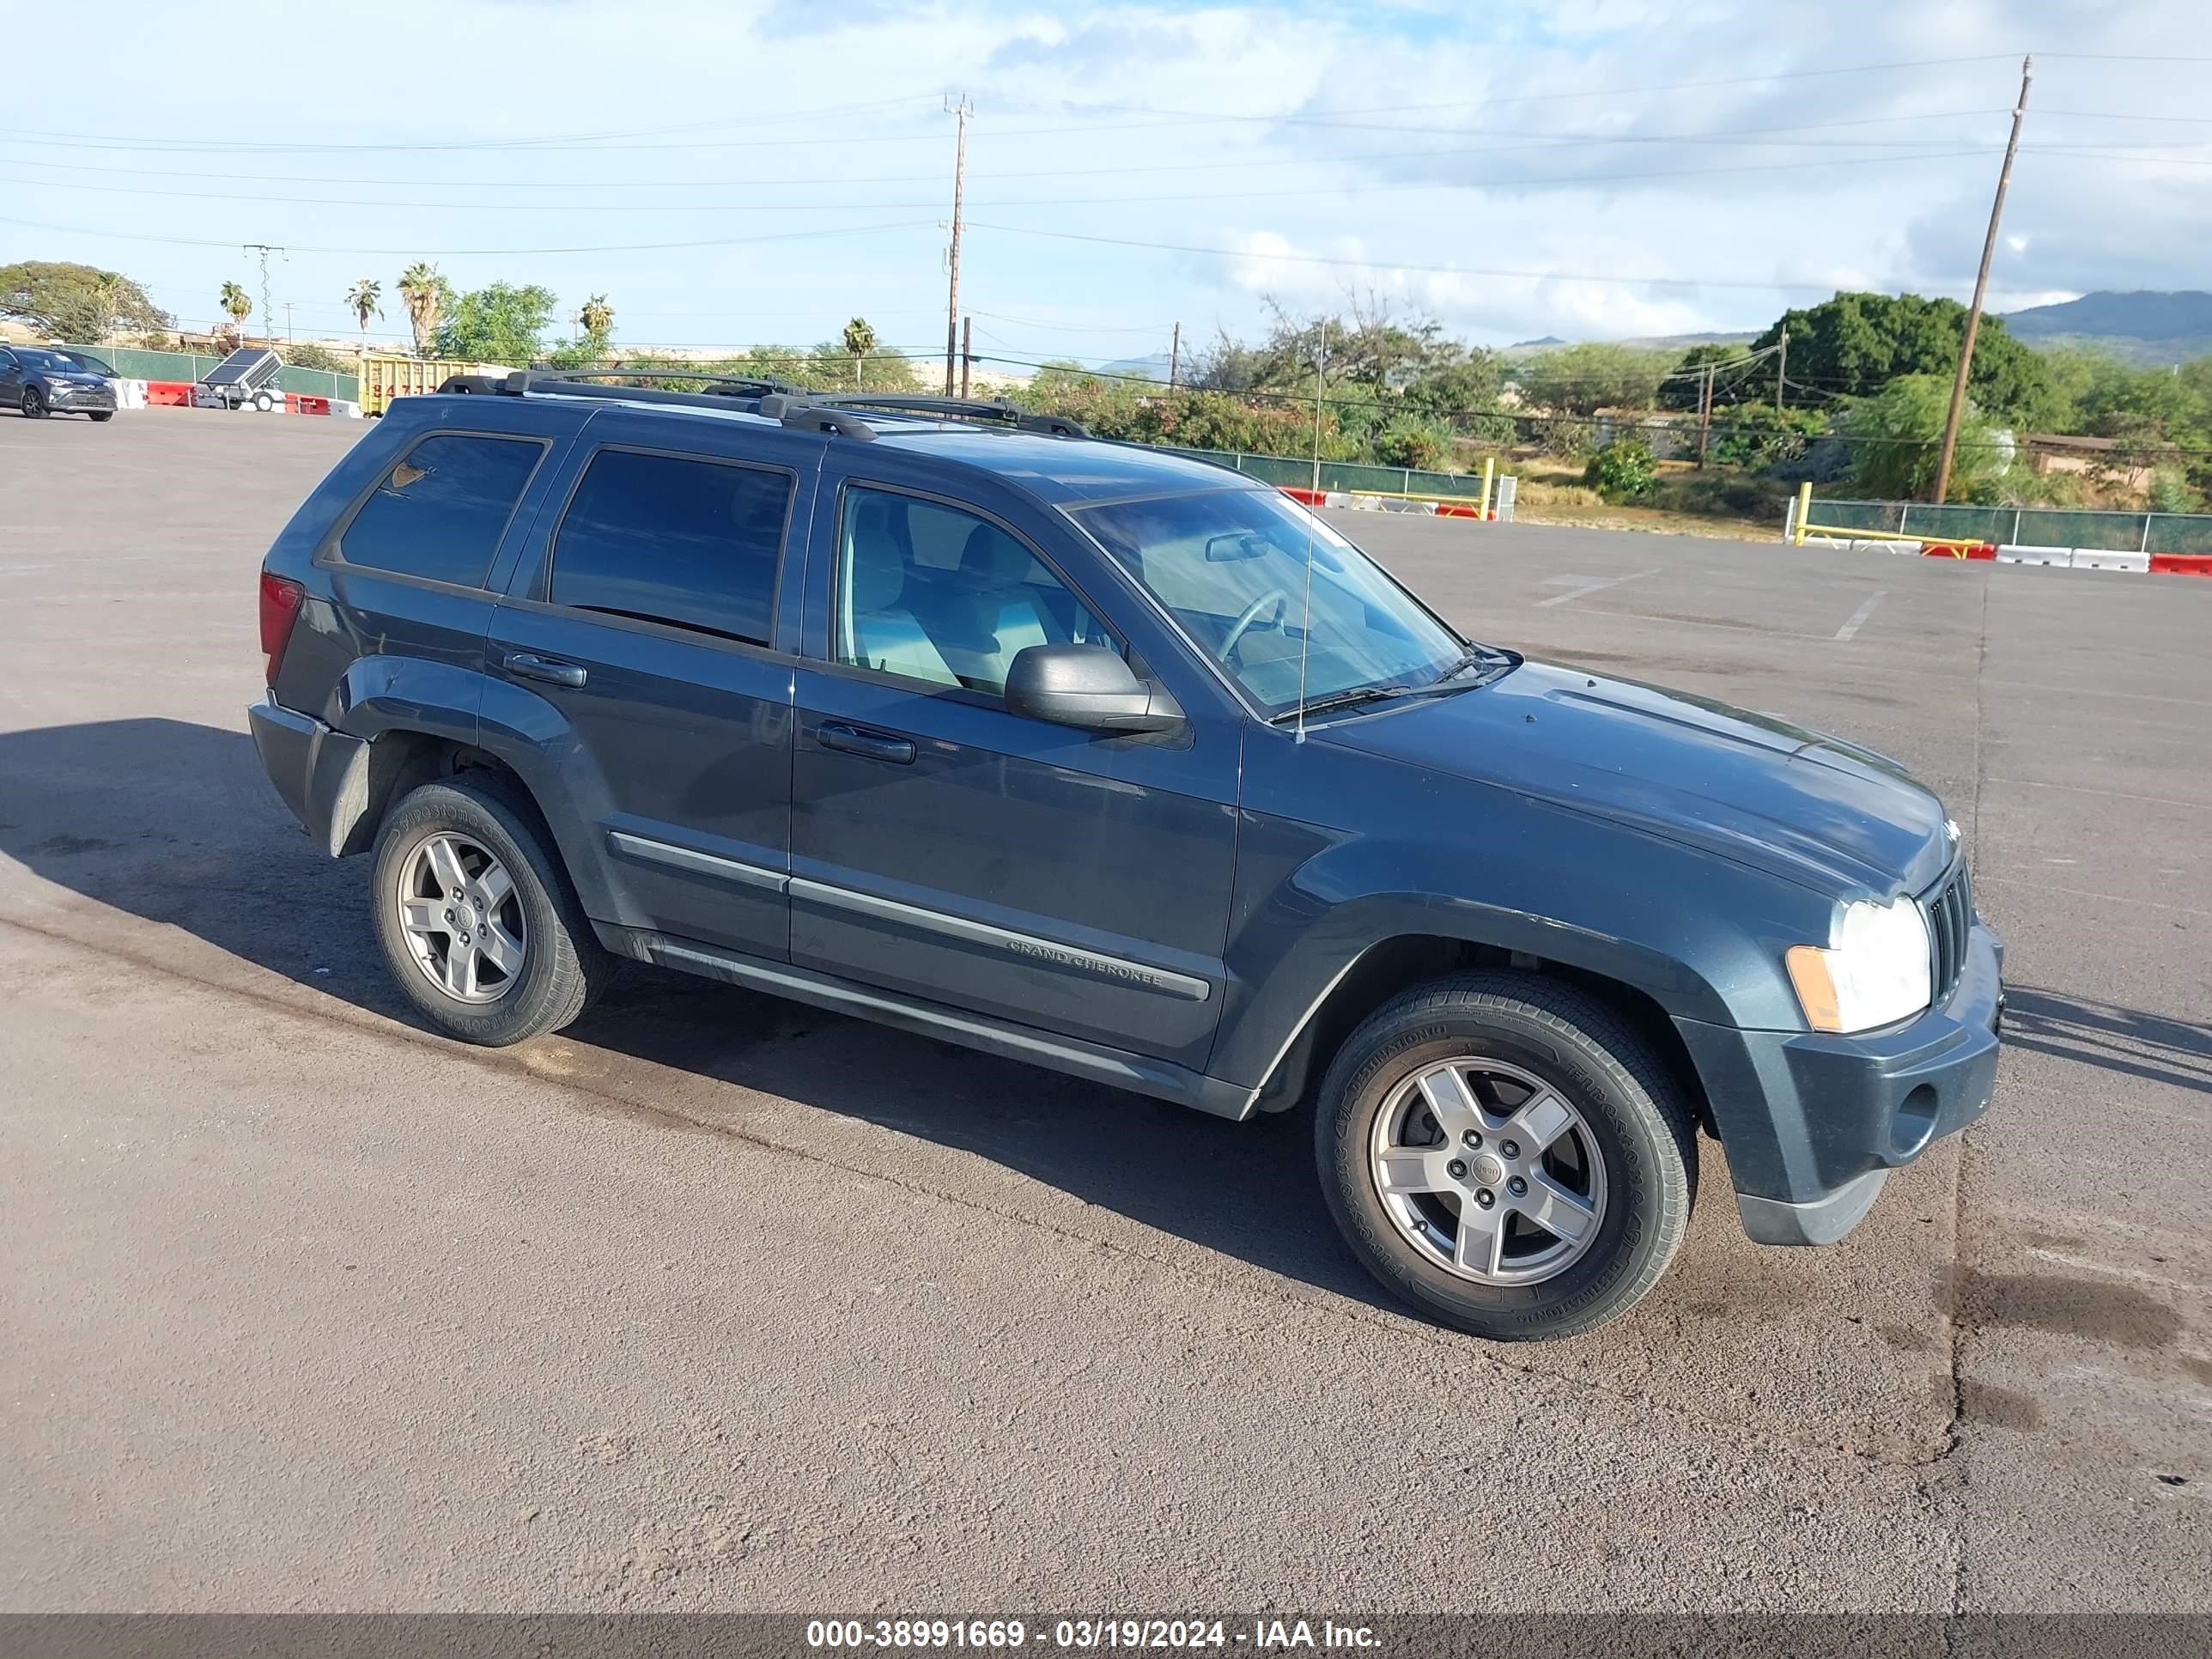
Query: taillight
[[280, 608]]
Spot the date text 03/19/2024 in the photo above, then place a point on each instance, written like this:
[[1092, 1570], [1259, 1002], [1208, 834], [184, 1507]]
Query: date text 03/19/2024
[[1084, 1634]]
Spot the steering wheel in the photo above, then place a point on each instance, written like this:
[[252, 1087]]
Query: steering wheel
[[1243, 625]]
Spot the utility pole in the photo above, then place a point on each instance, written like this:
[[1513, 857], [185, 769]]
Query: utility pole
[[1981, 287], [960, 111], [268, 322], [1174, 357], [289, 339], [1782, 371], [967, 351], [1704, 414]]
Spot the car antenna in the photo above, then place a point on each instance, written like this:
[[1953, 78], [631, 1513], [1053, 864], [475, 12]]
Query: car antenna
[[1305, 628]]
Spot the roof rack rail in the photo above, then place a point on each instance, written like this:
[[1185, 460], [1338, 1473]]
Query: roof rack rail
[[958, 409], [796, 409], [731, 386]]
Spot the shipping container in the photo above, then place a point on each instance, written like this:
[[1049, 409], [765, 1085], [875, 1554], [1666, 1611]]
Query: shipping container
[[383, 378]]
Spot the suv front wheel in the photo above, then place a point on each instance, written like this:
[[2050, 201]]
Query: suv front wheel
[[1507, 1155], [477, 922]]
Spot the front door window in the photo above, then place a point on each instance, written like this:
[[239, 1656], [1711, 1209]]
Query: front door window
[[932, 593]]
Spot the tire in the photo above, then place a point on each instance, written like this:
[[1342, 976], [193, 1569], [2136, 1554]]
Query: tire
[[102, 414], [33, 402], [562, 967], [1628, 1159], [263, 403]]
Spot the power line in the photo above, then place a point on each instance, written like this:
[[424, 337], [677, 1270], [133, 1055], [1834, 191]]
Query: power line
[[499, 252], [1394, 264]]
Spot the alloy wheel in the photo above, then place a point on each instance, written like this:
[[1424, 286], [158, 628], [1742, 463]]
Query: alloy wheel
[[1489, 1171], [462, 918]]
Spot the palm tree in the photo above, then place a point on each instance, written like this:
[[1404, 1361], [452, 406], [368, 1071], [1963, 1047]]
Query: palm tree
[[361, 298], [239, 304], [598, 318], [424, 291], [860, 341]]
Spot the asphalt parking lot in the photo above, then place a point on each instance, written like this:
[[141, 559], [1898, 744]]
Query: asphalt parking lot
[[719, 1303]]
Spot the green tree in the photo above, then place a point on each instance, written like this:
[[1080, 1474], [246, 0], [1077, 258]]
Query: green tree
[[1684, 386], [859, 339], [1855, 344], [429, 297], [76, 303], [1897, 434], [1582, 379], [597, 319], [498, 323], [237, 304], [363, 299]]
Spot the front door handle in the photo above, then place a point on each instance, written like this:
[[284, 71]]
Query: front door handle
[[870, 745], [533, 667]]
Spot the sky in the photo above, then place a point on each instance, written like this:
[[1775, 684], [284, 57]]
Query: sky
[[735, 173]]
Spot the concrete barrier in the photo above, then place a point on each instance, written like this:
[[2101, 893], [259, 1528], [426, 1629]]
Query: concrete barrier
[[2103, 558]]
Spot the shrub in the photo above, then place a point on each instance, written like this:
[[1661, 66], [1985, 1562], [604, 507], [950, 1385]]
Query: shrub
[[1622, 470], [2169, 493], [1417, 444]]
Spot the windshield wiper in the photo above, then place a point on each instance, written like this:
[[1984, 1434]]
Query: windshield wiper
[[1358, 694]]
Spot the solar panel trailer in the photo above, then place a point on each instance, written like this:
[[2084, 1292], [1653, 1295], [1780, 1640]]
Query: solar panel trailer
[[245, 379]]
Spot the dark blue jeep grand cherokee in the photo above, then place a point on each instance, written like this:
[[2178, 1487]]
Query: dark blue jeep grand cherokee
[[1116, 762]]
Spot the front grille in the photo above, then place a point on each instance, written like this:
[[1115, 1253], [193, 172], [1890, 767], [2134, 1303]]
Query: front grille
[[1950, 908]]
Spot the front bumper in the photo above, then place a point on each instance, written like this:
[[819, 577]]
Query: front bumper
[[81, 400], [1814, 1124]]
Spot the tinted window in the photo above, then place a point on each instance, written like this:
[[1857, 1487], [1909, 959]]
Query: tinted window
[[932, 593], [439, 512], [693, 543]]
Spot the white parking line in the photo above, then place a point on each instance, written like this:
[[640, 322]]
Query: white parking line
[[1982, 878], [2113, 794], [1592, 587], [1859, 616]]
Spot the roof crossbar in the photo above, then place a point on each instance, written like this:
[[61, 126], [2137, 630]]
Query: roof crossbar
[[959, 409]]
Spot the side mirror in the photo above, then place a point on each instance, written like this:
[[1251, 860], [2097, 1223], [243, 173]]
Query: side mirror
[[1087, 686]]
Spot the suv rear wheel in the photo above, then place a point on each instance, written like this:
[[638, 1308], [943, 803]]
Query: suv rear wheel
[[477, 922], [1507, 1155]]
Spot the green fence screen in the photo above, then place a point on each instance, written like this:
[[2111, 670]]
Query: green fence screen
[[134, 363], [2024, 526], [1348, 476]]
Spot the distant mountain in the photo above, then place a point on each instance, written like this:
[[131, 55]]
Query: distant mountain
[[2144, 327], [1645, 342], [2143, 315], [1154, 367]]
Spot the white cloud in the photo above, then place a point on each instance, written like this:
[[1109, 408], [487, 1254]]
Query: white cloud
[[1397, 136]]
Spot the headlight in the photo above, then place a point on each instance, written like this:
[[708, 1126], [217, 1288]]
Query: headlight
[[1876, 974]]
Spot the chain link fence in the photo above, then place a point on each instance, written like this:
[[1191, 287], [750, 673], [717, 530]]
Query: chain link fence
[[136, 363], [2024, 526]]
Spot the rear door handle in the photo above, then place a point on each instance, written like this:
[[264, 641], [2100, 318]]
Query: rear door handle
[[553, 673], [870, 745]]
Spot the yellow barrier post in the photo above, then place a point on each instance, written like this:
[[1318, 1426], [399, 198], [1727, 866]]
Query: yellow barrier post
[[1489, 466], [1804, 508]]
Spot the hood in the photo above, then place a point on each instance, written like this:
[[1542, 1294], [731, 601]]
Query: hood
[[1810, 807], [70, 377]]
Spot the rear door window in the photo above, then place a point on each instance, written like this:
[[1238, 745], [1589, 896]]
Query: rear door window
[[677, 539], [439, 512]]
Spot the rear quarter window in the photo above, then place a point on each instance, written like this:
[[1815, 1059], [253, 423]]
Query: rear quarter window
[[683, 540], [439, 512]]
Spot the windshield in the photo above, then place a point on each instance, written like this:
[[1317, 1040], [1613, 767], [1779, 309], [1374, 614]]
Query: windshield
[[52, 362], [90, 365], [1230, 565]]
